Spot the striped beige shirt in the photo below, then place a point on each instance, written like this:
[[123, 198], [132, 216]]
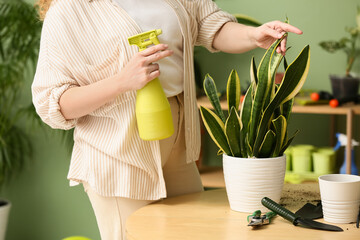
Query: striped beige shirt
[[84, 41]]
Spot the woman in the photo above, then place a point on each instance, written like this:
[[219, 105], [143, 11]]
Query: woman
[[87, 77]]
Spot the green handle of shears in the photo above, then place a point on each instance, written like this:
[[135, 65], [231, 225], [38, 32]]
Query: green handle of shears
[[270, 215]]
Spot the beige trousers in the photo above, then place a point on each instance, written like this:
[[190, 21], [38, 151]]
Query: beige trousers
[[180, 178]]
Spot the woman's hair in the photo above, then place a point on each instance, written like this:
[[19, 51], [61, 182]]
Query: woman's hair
[[43, 7]]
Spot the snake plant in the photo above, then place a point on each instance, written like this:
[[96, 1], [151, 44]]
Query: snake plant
[[259, 128]]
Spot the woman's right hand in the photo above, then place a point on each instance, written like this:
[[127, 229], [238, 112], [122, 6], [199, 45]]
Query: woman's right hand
[[141, 68]]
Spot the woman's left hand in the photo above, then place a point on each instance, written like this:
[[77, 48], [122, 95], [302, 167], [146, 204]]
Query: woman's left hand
[[266, 34]]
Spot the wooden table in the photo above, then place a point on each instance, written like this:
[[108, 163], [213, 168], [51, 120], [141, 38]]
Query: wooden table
[[207, 216], [348, 110]]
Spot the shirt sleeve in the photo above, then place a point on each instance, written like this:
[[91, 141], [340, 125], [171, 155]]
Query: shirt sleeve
[[51, 80], [210, 19]]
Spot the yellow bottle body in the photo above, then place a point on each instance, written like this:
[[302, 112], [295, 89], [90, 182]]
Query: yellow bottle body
[[153, 112]]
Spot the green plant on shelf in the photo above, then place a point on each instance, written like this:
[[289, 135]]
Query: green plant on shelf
[[347, 44]]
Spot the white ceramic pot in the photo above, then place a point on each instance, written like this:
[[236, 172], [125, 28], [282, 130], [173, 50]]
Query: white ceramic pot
[[340, 197], [248, 180], [4, 215]]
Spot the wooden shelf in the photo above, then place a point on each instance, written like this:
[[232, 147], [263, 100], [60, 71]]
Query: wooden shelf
[[349, 110]]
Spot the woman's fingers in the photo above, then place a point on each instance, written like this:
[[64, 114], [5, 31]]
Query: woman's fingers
[[156, 53], [284, 27], [153, 67]]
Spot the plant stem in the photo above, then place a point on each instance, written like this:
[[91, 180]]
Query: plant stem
[[349, 65]]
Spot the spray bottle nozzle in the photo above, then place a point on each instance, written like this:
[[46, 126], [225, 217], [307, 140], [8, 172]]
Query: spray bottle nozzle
[[145, 39], [342, 141]]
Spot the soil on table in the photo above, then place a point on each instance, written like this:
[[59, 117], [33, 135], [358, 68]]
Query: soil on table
[[295, 196]]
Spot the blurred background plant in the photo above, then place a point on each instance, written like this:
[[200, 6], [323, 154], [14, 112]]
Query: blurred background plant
[[347, 44], [20, 32]]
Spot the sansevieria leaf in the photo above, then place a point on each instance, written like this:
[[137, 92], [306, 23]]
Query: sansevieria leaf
[[232, 130], [262, 90], [286, 108], [245, 115], [212, 94], [233, 91], [280, 126], [267, 145], [253, 72], [247, 20], [287, 144], [294, 79], [274, 65], [215, 128]]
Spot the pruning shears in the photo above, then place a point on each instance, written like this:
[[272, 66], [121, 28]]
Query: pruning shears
[[256, 219]]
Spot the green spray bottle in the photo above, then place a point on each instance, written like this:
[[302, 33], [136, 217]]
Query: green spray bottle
[[153, 112]]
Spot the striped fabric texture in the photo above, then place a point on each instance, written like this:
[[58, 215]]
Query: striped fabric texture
[[85, 41]]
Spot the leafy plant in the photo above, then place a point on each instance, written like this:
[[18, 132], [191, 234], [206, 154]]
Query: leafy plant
[[260, 128], [348, 44], [247, 20], [19, 45]]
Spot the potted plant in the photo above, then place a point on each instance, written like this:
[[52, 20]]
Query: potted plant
[[346, 86], [19, 41], [253, 140]]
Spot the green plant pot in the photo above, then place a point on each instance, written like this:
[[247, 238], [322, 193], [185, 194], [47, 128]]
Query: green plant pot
[[324, 161], [302, 158], [288, 153]]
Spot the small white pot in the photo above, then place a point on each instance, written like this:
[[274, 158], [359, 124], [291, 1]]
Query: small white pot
[[340, 197], [248, 180], [4, 215]]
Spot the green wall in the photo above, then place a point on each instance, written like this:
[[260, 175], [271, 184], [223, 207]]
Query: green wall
[[46, 208]]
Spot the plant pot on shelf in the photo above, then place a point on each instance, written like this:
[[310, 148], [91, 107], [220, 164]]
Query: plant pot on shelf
[[288, 153], [324, 160], [4, 215], [344, 87], [248, 180], [302, 158]]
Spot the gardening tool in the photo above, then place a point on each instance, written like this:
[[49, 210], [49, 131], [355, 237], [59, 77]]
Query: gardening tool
[[310, 211], [256, 219], [342, 141], [153, 111], [290, 216]]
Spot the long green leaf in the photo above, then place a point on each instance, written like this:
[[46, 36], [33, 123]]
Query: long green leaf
[[215, 128], [232, 130], [274, 65], [245, 115], [267, 145], [280, 126], [212, 94], [247, 20], [286, 109], [294, 78], [253, 72], [233, 91], [262, 90], [287, 144]]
